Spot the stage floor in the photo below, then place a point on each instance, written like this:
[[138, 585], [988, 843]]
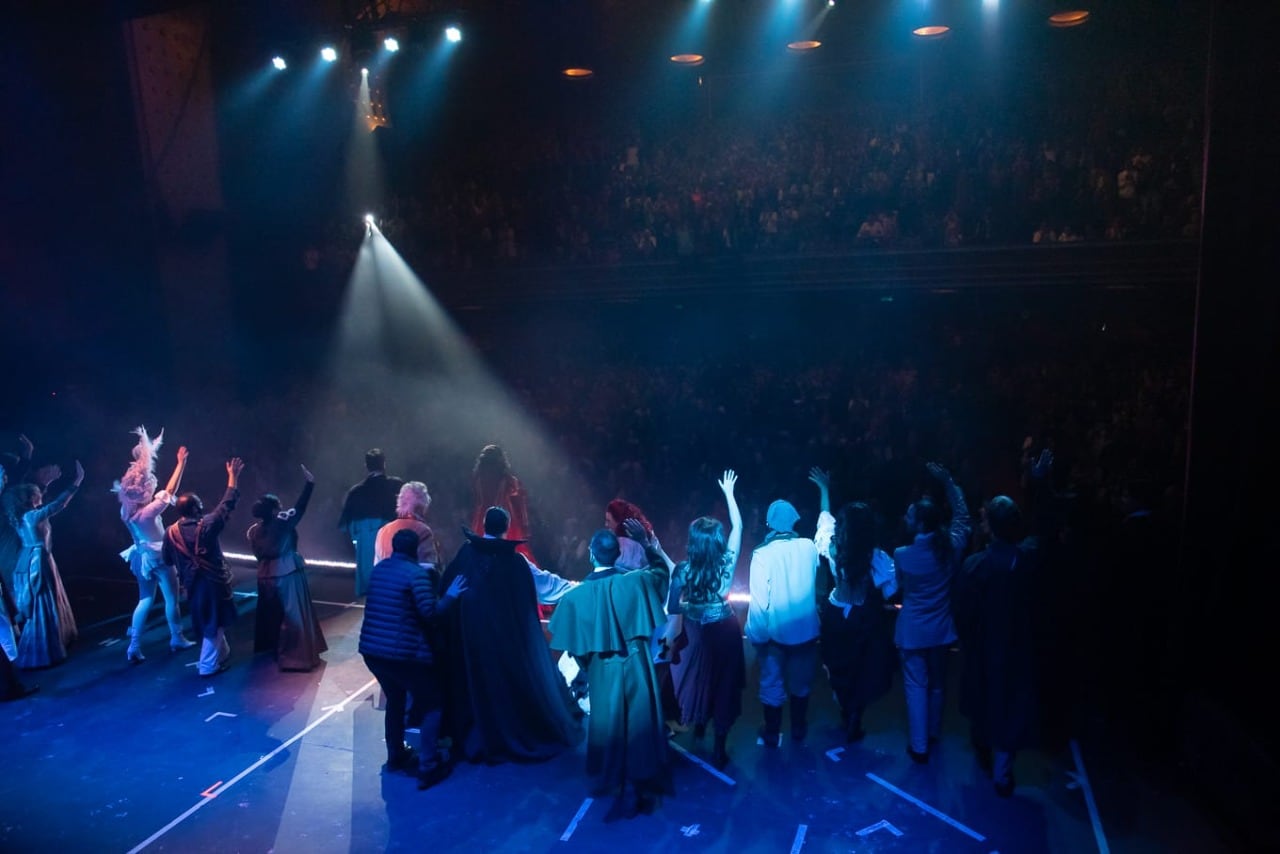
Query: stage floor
[[111, 757]]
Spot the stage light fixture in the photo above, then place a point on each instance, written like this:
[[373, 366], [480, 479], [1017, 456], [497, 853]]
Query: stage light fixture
[[391, 44], [368, 218], [453, 34], [328, 54], [933, 31], [1073, 18], [279, 63]]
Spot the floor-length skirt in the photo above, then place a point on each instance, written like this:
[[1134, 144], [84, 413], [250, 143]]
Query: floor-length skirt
[[858, 653], [50, 626], [710, 673], [286, 622]]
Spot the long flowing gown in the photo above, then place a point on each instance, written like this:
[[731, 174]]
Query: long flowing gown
[[50, 626], [286, 622]]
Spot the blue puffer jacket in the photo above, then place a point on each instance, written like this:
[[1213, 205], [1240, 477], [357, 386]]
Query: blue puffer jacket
[[399, 610]]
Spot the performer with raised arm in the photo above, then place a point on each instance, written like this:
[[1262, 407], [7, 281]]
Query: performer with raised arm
[[49, 626], [191, 544], [709, 669], [286, 623], [856, 626], [140, 509]]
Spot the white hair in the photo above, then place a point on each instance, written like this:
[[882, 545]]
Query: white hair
[[413, 500]]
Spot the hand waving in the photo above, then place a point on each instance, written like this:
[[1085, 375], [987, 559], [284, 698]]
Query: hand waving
[[821, 478], [727, 481], [637, 531]]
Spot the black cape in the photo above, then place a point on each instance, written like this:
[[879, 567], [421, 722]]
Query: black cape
[[504, 697]]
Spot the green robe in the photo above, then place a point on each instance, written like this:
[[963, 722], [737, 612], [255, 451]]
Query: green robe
[[606, 623]]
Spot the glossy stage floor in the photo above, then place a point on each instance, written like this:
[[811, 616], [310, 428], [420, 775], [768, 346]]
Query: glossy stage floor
[[109, 757]]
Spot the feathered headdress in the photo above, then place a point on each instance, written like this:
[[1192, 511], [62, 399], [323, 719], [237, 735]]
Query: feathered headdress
[[139, 482]]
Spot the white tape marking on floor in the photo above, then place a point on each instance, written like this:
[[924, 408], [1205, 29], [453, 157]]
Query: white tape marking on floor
[[573, 825], [1083, 779], [933, 812], [882, 824], [798, 842], [245, 773], [710, 769]]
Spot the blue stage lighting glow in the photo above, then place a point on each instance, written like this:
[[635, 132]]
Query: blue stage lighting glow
[[279, 63], [328, 54], [391, 44], [453, 34]]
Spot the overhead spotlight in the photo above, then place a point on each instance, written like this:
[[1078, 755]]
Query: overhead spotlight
[[279, 63], [806, 44], [364, 72], [453, 34], [831, 4], [688, 59], [391, 44], [328, 54], [368, 218]]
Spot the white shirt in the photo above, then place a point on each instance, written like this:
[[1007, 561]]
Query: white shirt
[[783, 598]]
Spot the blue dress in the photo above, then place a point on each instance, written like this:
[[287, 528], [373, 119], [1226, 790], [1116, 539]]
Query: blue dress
[[49, 627]]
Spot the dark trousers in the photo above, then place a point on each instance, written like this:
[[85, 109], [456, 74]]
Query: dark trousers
[[401, 680]]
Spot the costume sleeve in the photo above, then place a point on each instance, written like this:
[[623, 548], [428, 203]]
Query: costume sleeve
[[826, 530], [757, 626], [549, 586], [153, 508], [217, 520], [883, 574], [300, 506], [960, 526], [49, 508]]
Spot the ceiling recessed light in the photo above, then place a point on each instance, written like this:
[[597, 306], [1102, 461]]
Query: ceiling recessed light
[[803, 45], [688, 59], [935, 31], [1073, 18]]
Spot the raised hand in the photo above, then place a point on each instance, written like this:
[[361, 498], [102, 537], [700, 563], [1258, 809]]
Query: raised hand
[[938, 472], [637, 531], [28, 447], [183, 453], [46, 475], [235, 465], [306, 472], [727, 481], [79, 473], [820, 478]]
